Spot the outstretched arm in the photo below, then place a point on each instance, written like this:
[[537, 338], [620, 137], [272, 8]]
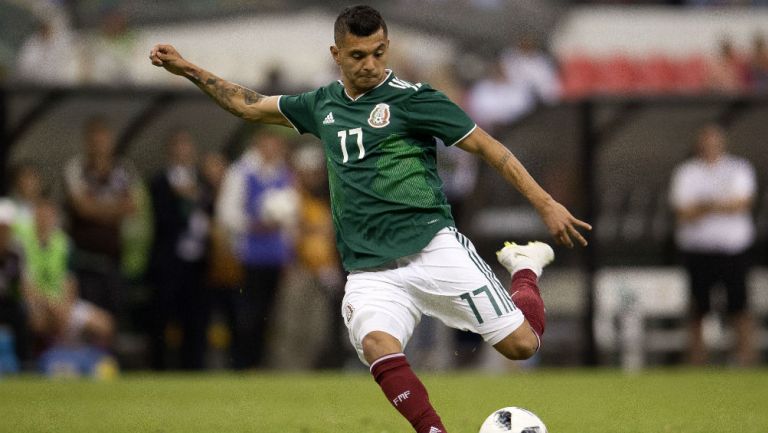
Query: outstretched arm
[[561, 224], [236, 99]]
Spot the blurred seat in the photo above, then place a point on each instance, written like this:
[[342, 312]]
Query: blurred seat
[[618, 75], [578, 75], [584, 75], [656, 74], [691, 74], [658, 298]]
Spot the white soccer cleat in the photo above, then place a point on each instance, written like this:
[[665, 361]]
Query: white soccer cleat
[[533, 256]]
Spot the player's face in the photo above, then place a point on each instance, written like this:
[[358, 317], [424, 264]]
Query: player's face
[[362, 60]]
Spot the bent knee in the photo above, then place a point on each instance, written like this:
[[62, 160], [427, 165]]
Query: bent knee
[[377, 344], [518, 346]]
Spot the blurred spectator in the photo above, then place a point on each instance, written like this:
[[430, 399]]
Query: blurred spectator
[[446, 79], [55, 310], [758, 73], [496, 100], [213, 168], [13, 320], [275, 83], [315, 285], [136, 238], [530, 66], [224, 276], [315, 237], [256, 206], [48, 57], [178, 264], [109, 51], [224, 271], [728, 71], [26, 188], [712, 195], [100, 191]]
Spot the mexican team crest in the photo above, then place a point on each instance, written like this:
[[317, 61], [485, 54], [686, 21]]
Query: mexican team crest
[[379, 117], [349, 310]]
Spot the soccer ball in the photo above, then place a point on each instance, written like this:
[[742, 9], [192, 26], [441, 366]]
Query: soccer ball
[[513, 420]]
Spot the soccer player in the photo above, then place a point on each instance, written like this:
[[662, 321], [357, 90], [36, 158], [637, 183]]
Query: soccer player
[[394, 229]]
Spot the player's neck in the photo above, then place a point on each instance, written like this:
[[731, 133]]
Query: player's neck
[[354, 92]]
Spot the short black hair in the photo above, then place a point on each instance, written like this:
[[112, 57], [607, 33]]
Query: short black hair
[[360, 20]]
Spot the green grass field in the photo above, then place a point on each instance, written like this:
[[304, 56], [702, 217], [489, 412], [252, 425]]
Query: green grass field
[[569, 401]]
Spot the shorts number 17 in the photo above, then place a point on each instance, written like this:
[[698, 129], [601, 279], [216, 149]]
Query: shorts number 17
[[488, 293]]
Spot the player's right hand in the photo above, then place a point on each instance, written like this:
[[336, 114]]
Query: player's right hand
[[166, 56], [563, 226]]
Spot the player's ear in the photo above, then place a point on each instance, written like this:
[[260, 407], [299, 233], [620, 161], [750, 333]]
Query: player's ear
[[335, 54]]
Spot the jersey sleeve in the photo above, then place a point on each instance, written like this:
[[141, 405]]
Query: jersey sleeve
[[432, 113], [299, 110]]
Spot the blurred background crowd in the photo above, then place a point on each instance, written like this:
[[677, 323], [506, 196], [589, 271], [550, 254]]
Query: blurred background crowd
[[143, 227]]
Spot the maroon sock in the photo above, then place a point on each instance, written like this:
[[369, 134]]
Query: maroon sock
[[406, 393], [525, 293]]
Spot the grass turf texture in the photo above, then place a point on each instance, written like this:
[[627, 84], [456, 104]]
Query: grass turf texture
[[569, 401]]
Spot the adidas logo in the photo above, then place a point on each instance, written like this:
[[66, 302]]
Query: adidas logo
[[435, 430], [328, 119]]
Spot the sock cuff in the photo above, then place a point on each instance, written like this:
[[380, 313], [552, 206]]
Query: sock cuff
[[385, 358], [526, 273], [387, 362]]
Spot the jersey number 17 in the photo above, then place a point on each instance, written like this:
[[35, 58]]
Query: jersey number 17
[[343, 138]]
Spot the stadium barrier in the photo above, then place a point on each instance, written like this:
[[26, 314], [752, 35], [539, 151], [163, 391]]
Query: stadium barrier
[[641, 312], [609, 159]]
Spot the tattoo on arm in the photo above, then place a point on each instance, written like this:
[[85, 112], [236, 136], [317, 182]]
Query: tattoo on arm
[[501, 162], [251, 97], [226, 94]]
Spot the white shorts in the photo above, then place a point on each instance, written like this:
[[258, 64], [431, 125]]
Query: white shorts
[[447, 280]]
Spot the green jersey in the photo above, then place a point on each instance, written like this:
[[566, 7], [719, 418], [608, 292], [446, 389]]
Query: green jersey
[[380, 148]]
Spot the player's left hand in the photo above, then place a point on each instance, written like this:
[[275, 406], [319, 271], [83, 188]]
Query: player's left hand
[[563, 226]]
